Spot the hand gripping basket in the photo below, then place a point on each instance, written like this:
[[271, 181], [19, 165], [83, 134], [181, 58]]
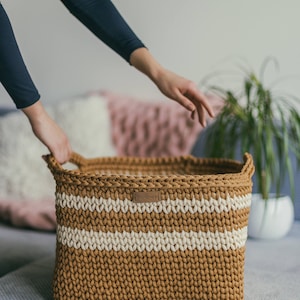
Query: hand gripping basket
[[151, 228]]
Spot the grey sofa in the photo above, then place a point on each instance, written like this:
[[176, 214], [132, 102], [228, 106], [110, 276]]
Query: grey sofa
[[26, 263]]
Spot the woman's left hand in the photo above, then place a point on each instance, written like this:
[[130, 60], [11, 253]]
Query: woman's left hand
[[175, 87], [186, 93]]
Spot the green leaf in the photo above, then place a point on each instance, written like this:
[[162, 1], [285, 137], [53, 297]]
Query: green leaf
[[260, 122]]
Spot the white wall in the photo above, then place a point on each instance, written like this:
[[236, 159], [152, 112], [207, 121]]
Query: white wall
[[190, 37]]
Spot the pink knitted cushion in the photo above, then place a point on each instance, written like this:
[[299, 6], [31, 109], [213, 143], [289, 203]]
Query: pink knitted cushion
[[158, 128]]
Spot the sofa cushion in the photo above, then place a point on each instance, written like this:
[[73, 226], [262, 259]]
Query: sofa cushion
[[23, 173]]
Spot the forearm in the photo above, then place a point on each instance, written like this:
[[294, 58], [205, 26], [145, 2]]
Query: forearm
[[103, 19], [175, 87], [48, 132], [35, 112], [143, 61], [13, 72]]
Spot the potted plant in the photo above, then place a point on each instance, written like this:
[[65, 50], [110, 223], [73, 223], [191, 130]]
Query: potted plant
[[257, 120]]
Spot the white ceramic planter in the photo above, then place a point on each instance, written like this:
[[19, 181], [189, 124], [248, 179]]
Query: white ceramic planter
[[271, 219]]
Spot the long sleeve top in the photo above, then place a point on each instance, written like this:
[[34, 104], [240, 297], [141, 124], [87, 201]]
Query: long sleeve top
[[100, 16]]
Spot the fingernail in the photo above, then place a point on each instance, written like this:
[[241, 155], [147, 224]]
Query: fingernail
[[191, 107]]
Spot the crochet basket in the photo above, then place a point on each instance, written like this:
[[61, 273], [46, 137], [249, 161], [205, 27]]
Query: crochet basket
[[169, 228]]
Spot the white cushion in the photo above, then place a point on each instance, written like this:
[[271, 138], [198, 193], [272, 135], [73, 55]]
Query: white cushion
[[23, 173]]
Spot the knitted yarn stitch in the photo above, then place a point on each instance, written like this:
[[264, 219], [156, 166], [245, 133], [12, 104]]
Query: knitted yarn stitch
[[151, 228], [152, 128]]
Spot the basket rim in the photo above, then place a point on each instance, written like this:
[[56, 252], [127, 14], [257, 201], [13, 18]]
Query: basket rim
[[246, 167]]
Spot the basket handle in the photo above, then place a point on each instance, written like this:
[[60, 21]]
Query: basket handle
[[78, 160], [248, 167], [75, 158]]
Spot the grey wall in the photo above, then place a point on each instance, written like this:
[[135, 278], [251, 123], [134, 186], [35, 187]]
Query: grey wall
[[190, 37]]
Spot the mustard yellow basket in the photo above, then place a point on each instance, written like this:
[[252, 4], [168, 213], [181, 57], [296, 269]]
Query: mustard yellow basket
[[169, 228]]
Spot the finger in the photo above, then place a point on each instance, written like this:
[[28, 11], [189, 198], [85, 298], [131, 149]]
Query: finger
[[62, 153], [67, 153], [201, 115], [197, 107], [60, 156], [197, 96], [184, 101], [193, 114], [200, 109]]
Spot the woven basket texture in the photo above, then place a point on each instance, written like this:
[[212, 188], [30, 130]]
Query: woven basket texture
[[171, 228]]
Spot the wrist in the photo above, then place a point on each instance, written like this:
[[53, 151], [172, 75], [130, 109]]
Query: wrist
[[35, 111], [143, 61]]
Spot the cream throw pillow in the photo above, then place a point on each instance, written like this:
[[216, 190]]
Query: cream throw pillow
[[23, 173]]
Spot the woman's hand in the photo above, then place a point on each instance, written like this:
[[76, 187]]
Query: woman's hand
[[186, 93], [175, 87], [48, 132]]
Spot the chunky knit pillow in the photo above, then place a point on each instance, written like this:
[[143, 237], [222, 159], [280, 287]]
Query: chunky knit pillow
[[23, 173], [151, 128]]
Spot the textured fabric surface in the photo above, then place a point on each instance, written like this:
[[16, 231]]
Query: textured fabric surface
[[190, 244], [19, 247], [33, 281], [272, 268], [23, 173], [152, 128], [29, 214], [24, 178], [127, 126]]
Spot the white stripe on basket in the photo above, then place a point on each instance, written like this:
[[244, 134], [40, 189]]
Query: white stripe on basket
[[193, 206], [151, 241]]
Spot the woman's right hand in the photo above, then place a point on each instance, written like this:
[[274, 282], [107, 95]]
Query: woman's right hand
[[48, 132]]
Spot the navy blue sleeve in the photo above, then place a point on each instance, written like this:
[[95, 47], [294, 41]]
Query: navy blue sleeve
[[13, 73], [100, 16], [104, 20]]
